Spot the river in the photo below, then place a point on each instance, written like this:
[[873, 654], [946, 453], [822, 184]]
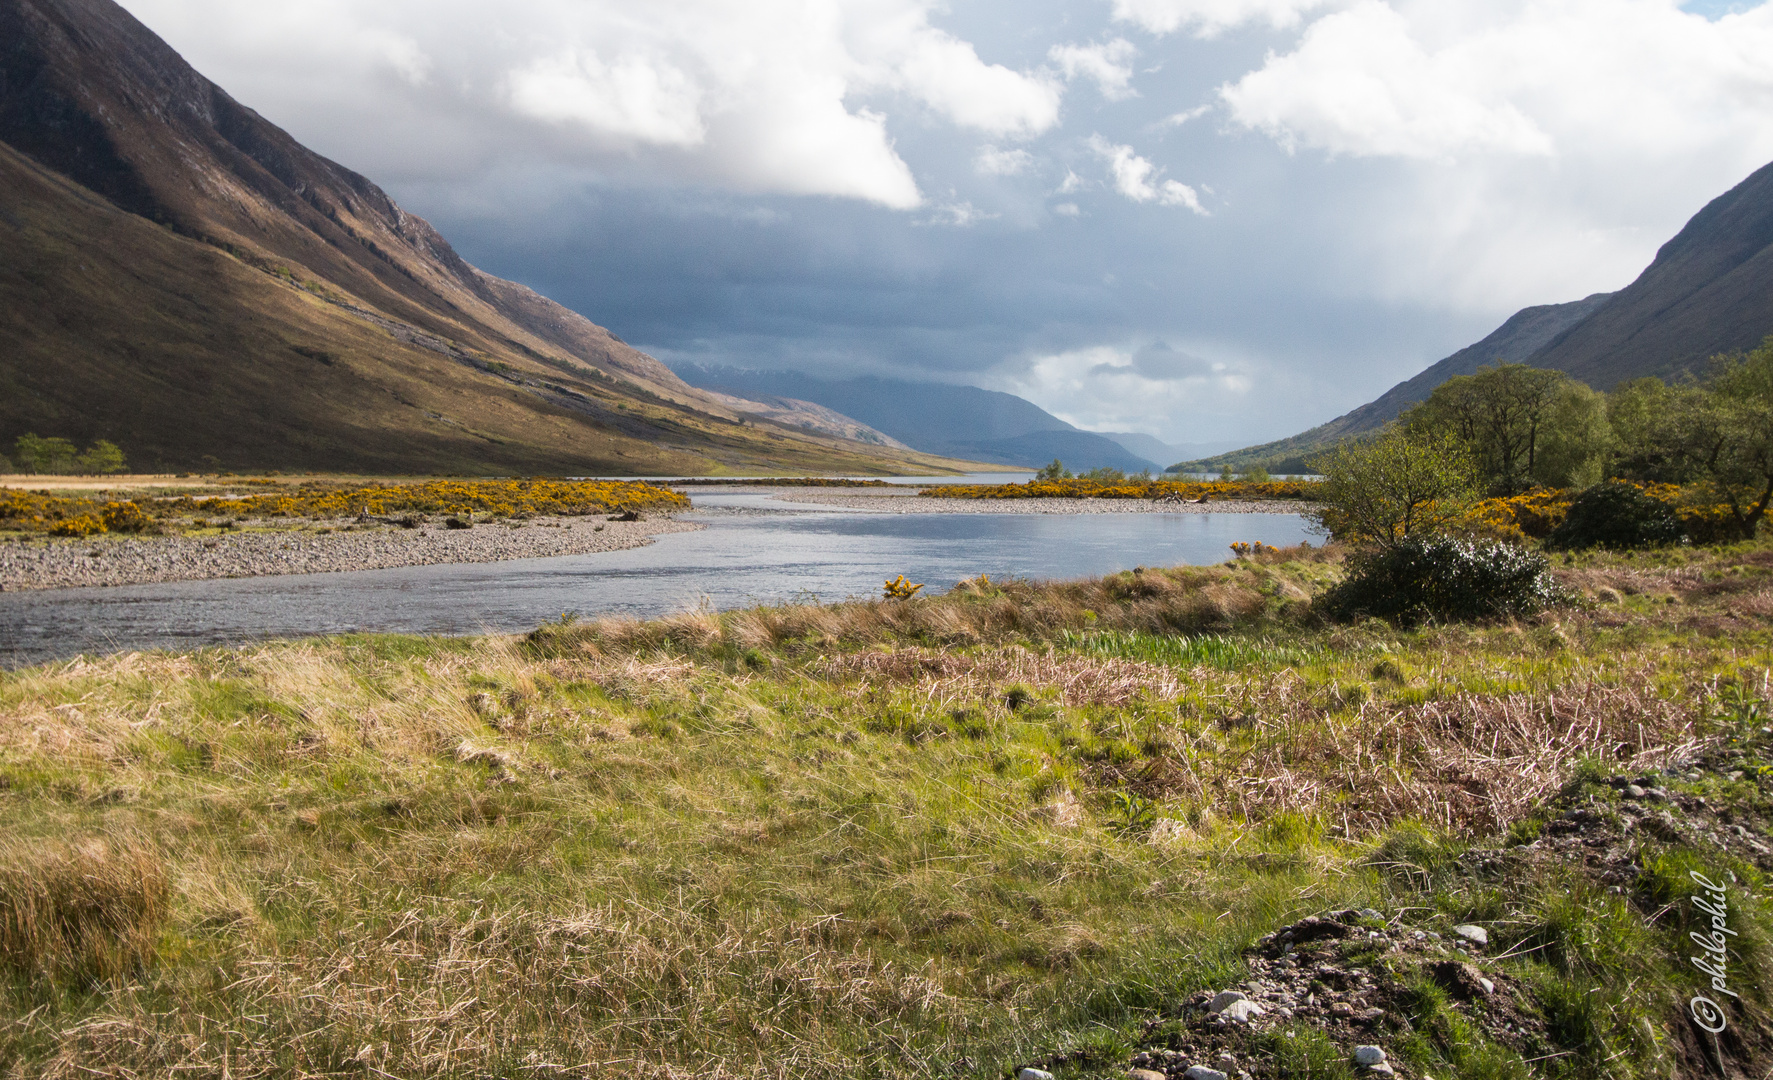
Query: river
[[755, 550]]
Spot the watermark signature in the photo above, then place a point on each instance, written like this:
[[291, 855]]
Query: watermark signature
[[1715, 962]]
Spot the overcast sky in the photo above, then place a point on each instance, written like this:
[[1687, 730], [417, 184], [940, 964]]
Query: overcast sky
[[1201, 219]]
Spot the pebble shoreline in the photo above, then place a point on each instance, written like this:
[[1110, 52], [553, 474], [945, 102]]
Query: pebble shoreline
[[113, 560]]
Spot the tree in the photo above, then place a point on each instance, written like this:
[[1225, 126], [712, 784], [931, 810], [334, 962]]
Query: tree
[[1404, 483], [1501, 414], [1718, 435], [1055, 471], [39, 455], [102, 457], [1105, 474], [1255, 474]]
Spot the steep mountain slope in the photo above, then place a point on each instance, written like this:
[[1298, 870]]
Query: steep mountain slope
[[937, 418], [182, 277], [1708, 291], [1524, 334]]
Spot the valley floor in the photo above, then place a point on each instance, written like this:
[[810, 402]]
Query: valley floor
[[1018, 824]]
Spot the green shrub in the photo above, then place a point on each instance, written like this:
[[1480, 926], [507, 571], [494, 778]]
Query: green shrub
[[1439, 577], [1617, 516]]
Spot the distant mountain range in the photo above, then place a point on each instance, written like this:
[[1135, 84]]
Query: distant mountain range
[[180, 276], [937, 418], [1708, 291]]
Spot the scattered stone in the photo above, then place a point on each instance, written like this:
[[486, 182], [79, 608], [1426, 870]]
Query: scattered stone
[[1225, 998], [1477, 935], [1201, 1072], [1146, 1074], [1632, 791], [1241, 1012], [1368, 1055], [1489, 987], [1381, 1069], [1369, 913], [1034, 1074]]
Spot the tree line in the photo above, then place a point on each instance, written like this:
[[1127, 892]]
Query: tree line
[[1509, 429]]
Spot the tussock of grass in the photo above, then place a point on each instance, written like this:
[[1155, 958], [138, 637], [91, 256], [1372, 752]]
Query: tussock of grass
[[1012, 823], [85, 910]]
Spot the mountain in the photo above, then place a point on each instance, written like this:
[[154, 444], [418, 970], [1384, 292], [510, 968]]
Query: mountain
[[1152, 448], [1514, 342], [182, 277], [1708, 291], [936, 418]]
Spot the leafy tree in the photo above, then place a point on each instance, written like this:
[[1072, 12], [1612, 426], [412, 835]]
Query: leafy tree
[[102, 457], [40, 455], [1402, 484], [1576, 442], [1055, 471], [1255, 474], [1502, 414], [1718, 435], [1105, 475]]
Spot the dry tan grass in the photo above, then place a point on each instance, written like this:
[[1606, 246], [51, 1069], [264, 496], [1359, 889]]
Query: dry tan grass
[[83, 910]]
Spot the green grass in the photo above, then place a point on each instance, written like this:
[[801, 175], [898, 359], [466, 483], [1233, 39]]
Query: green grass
[[947, 836]]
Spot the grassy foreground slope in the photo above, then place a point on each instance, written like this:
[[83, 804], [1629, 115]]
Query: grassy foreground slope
[[1013, 824]]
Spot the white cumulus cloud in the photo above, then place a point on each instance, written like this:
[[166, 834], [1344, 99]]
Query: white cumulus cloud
[[789, 96], [1138, 179], [1209, 18], [1530, 77], [1109, 63]]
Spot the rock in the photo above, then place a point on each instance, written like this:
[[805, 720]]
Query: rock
[[1368, 1055], [1201, 1072], [1381, 1069], [1145, 1074], [1369, 913], [1460, 979], [1241, 1012], [1489, 987], [1224, 998], [1477, 935], [1034, 1074], [1632, 791]]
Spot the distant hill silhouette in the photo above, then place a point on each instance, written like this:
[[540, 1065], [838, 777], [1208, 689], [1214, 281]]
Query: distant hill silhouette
[[936, 418], [182, 277], [1708, 291]]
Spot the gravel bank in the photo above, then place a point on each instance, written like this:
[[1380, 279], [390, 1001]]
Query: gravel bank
[[112, 560]]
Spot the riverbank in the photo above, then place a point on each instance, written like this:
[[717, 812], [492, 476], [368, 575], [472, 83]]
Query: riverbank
[[899, 504], [1163, 819], [113, 559]]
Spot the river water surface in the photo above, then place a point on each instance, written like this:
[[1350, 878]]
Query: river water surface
[[755, 550]]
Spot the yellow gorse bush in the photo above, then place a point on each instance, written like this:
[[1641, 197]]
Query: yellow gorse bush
[[40, 512], [1129, 489], [1534, 514]]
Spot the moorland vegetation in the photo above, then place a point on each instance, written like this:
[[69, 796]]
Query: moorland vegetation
[[1012, 824]]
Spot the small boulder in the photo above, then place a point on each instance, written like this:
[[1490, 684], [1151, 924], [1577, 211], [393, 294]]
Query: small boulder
[[1241, 1012], [1034, 1074], [1201, 1072], [1145, 1074], [1477, 935], [1225, 998], [1368, 1055]]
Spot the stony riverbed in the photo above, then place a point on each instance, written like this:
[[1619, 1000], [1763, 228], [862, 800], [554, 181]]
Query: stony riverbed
[[120, 560]]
